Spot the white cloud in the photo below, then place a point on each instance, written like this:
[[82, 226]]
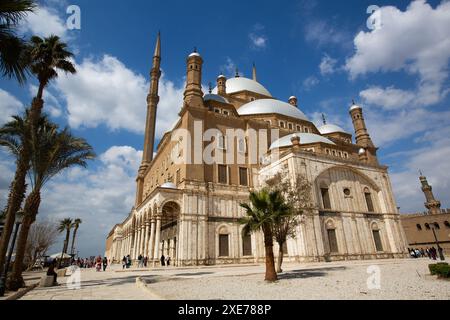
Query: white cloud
[[389, 98], [101, 196], [45, 21], [229, 68], [310, 83], [258, 40], [415, 41], [105, 91], [327, 65], [323, 33], [9, 106]]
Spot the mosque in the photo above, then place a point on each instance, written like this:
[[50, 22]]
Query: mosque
[[188, 207]]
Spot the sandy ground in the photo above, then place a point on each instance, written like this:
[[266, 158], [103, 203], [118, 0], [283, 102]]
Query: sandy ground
[[399, 280]]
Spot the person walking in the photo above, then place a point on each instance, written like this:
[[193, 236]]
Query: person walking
[[163, 261], [128, 261], [168, 261], [124, 262], [98, 263], [145, 262], [105, 263]]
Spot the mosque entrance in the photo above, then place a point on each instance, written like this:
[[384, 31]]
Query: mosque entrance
[[169, 231]]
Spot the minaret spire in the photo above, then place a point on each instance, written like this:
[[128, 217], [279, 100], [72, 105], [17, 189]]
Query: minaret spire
[[324, 119], [433, 205], [254, 72], [152, 105]]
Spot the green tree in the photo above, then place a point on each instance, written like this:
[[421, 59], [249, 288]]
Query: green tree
[[297, 192], [76, 225], [13, 50], [264, 206], [65, 225], [52, 152], [46, 57]]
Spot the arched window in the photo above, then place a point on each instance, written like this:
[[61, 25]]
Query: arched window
[[332, 239], [242, 146], [325, 197], [427, 226], [437, 226], [377, 238], [224, 242], [368, 197], [447, 224], [247, 245], [419, 227]]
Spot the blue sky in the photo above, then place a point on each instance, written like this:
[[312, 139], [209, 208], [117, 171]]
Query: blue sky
[[321, 51]]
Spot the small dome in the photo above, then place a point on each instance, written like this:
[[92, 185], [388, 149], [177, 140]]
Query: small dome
[[305, 138], [330, 128], [269, 106], [168, 185], [243, 84], [214, 97], [221, 76], [362, 151], [292, 97], [354, 107], [194, 54]]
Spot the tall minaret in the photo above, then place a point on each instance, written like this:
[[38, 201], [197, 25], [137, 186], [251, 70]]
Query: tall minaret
[[433, 205], [254, 72], [193, 94], [152, 104], [362, 135]]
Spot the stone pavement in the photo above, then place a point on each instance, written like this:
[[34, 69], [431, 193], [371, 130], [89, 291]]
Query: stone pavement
[[118, 284]]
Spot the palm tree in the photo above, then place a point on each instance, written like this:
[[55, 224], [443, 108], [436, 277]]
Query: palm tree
[[52, 152], [15, 136], [13, 57], [76, 225], [65, 225], [47, 57], [264, 206]]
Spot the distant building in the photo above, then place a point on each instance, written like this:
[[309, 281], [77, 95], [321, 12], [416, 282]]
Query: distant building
[[191, 211], [419, 226]]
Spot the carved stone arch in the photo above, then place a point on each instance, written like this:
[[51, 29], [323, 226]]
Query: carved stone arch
[[374, 226], [223, 229], [369, 181], [330, 224]]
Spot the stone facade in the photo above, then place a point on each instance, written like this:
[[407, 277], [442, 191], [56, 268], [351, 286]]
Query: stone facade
[[189, 210]]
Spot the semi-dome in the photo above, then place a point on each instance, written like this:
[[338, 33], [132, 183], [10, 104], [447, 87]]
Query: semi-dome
[[214, 97], [305, 138], [354, 107], [168, 185], [269, 106], [243, 84], [330, 128]]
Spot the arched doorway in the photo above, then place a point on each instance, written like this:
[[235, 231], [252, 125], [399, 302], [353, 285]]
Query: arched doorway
[[169, 230]]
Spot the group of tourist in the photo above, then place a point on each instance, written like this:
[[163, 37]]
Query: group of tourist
[[142, 261], [430, 253], [98, 263]]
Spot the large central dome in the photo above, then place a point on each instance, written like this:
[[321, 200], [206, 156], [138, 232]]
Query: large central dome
[[269, 106], [243, 84]]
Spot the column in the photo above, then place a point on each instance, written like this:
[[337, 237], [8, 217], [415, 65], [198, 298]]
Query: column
[[157, 237], [152, 240], [147, 227], [138, 242]]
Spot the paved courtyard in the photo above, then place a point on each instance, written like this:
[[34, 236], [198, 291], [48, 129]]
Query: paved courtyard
[[399, 279]]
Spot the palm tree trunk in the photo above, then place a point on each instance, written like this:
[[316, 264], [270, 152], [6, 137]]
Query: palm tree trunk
[[280, 258], [15, 199], [73, 240], [66, 246], [31, 209], [271, 275]]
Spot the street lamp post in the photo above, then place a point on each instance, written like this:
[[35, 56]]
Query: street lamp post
[[441, 252], [4, 276]]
